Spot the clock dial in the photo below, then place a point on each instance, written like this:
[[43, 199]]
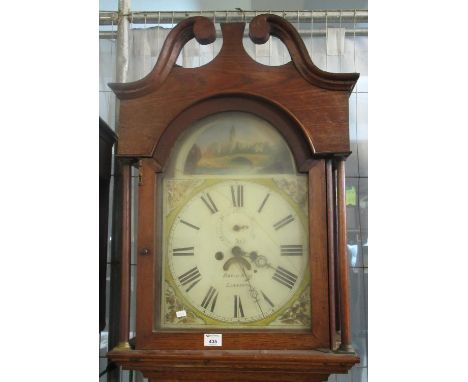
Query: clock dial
[[236, 252]]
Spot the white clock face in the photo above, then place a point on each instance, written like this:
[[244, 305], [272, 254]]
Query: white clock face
[[237, 251]]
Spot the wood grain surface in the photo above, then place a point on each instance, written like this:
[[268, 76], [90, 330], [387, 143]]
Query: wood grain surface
[[309, 108], [316, 99], [235, 365]]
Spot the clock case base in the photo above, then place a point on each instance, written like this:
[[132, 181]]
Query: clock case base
[[235, 365]]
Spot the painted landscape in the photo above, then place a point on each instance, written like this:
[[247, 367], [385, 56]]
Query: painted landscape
[[239, 149]]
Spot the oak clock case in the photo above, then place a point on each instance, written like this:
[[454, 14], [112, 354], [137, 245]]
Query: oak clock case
[[226, 227], [241, 215], [234, 229]]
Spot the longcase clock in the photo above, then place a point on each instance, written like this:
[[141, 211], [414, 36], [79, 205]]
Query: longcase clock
[[242, 264]]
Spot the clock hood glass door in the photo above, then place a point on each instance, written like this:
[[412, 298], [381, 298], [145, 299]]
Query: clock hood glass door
[[234, 230]]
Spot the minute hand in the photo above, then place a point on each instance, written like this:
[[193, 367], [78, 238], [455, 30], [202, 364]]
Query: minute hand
[[253, 291]]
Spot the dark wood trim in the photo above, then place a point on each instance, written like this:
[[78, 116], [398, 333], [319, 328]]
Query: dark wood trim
[[235, 365], [262, 26], [169, 374], [335, 245], [331, 250], [149, 105], [103, 235], [260, 29], [234, 340], [124, 331], [146, 252], [293, 132], [149, 338], [199, 27], [318, 253], [346, 344], [115, 268]]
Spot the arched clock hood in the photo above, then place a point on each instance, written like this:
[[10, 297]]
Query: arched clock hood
[[316, 100]]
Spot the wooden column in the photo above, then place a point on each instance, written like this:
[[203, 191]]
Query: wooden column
[[346, 343], [335, 247], [124, 330], [331, 250]]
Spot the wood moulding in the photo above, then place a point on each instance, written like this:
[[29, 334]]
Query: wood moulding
[[292, 365], [285, 123], [262, 26], [315, 98], [198, 27]]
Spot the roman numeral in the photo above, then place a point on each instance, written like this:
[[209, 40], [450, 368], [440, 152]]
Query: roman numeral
[[288, 219], [190, 225], [237, 196], [291, 250], [192, 276], [263, 203], [209, 295], [209, 203], [238, 311], [267, 299], [285, 277], [187, 251]]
